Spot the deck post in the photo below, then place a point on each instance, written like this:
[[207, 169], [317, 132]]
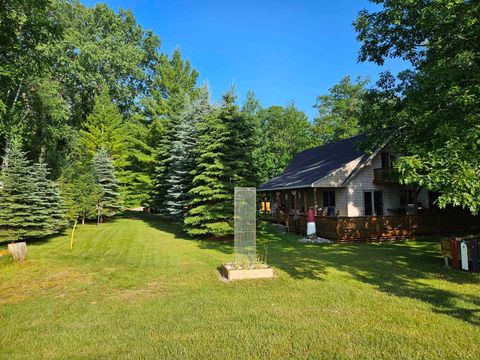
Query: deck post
[[265, 203], [315, 200], [277, 210], [294, 194], [305, 204]]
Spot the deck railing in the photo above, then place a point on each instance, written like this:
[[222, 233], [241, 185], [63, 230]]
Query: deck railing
[[383, 176], [382, 228]]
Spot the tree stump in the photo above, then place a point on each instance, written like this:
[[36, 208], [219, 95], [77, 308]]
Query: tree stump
[[18, 251]]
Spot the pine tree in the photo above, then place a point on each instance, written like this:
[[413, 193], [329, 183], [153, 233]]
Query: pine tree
[[136, 178], [17, 218], [182, 159], [48, 206], [105, 128], [105, 175]]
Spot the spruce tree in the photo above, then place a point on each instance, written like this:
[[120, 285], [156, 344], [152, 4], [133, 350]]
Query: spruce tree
[[239, 156], [17, 216], [164, 131], [251, 111], [182, 159], [105, 176], [174, 84], [224, 160], [211, 205], [48, 206], [30, 203]]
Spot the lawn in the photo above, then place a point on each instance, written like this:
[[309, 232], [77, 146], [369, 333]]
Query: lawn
[[136, 288]]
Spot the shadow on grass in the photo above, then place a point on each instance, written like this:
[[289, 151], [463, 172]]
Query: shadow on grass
[[166, 225], [399, 269], [157, 222]]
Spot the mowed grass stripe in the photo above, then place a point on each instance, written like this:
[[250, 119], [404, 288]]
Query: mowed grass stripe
[[136, 288]]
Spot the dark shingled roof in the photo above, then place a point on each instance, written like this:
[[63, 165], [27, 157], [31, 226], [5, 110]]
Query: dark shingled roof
[[314, 164]]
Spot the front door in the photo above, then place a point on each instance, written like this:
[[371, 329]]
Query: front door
[[378, 202]]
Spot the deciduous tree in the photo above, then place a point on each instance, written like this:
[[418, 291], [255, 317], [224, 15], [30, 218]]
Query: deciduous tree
[[436, 117], [339, 111], [285, 131]]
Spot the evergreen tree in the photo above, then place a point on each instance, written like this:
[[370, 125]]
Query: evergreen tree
[[211, 201], [252, 110], [48, 206], [182, 159], [105, 129], [223, 161], [30, 203], [174, 84], [17, 218], [105, 176], [239, 155], [165, 137], [125, 141], [136, 177]]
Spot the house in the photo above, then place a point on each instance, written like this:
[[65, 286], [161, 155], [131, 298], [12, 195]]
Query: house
[[345, 180], [353, 194]]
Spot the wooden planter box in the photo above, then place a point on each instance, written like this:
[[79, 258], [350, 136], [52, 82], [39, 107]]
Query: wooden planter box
[[231, 273]]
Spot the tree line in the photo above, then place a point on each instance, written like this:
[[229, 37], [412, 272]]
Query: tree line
[[115, 123], [85, 87]]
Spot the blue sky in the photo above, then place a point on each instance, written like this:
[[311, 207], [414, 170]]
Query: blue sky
[[283, 50]]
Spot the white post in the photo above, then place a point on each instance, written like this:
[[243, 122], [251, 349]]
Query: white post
[[464, 254]]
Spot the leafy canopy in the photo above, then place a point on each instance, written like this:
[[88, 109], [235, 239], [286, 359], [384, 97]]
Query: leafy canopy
[[339, 110], [434, 107]]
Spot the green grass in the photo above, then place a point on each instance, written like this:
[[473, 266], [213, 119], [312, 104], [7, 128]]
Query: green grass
[[135, 288]]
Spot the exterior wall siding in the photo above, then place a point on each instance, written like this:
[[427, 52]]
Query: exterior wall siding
[[341, 201], [362, 182]]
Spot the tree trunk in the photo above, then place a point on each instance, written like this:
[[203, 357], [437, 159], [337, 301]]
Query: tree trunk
[[18, 250]]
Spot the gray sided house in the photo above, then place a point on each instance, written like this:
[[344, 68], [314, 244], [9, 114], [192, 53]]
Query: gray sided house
[[340, 179], [353, 195]]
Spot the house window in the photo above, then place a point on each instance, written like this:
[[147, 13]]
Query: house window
[[387, 160], [406, 197], [328, 198], [373, 202]]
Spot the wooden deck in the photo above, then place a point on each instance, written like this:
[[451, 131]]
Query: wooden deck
[[384, 228]]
